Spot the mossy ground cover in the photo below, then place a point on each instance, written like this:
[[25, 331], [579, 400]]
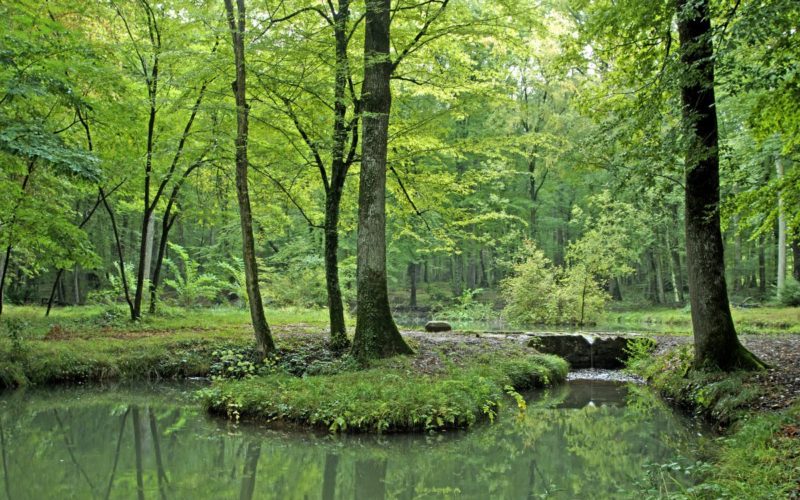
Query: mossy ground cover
[[759, 450]]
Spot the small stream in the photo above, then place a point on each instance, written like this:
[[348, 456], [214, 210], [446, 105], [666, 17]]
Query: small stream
[[584, 439]]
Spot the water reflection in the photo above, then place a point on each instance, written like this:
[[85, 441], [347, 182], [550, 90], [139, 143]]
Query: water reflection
[[585, 439]]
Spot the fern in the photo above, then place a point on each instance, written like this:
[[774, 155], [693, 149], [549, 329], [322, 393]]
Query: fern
[[190, 286]]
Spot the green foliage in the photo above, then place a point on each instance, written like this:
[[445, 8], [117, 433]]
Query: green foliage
[[790, 295], [539, 292], [387, 397], [190, 285], [468, 308], [229, 363]]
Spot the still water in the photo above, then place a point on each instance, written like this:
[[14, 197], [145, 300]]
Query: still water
[[584, 439]]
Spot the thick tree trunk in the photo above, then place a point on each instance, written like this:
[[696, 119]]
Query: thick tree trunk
[[796, 258], [781, 278], [236, 23], [376, 333], [715, 339]]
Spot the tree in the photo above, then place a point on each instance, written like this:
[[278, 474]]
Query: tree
[[236, 23], [716, 343], [376, 333]]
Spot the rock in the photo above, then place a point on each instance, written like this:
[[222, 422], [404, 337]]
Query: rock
[[584, 351], [438, 326]]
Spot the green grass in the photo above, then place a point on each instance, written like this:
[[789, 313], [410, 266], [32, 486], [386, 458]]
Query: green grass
[[389, 396], [95, 343], [761, 320], [88, 320]]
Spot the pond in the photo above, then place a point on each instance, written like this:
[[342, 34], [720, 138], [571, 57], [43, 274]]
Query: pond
[[583, 439]]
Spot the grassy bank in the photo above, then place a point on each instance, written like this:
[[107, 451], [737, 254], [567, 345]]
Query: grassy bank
[[94, 343], [753, 321], [399, 394], [759, 452]]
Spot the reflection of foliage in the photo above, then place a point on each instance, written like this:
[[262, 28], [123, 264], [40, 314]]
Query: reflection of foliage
[[600, 452]]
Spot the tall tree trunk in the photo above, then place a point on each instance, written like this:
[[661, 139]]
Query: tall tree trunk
[[76, 284], [715, 340], [236, 23], [5, 258], [796, 258], [762, 266], [339, 338], [376, 333], [411, 270], [340, 164], [781, 278]]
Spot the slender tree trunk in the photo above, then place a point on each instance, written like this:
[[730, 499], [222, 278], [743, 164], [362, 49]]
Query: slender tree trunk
[[120, 254], [715, 339], [781, 280], [236, 23], [762, 266], [76, 284], [376, 333], [796, 258], [6, 257], [411, 270], [339, 338]]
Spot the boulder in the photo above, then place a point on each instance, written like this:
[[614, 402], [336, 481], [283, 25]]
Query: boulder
[[438, 326]]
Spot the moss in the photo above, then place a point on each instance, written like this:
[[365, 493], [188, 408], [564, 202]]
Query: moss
[[389, 396]]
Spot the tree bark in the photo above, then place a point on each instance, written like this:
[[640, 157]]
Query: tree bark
[[236, 23], [781, 278], [411, 270], [716, 343], [762, 266], [796, 258], [376, 333]]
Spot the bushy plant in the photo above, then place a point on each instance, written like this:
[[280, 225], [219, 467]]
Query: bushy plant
[[468, 308], [115, 292], [790, 294], [190, 286], [530, 290]]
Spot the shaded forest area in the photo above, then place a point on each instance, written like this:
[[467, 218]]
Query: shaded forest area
[[554, 123]]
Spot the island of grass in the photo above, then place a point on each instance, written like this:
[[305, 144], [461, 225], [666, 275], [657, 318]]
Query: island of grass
[[442, 386]]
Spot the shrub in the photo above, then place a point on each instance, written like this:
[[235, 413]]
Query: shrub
[[790, 294]]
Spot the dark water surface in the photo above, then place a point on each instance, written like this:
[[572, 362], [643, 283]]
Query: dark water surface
[[584, 439]]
